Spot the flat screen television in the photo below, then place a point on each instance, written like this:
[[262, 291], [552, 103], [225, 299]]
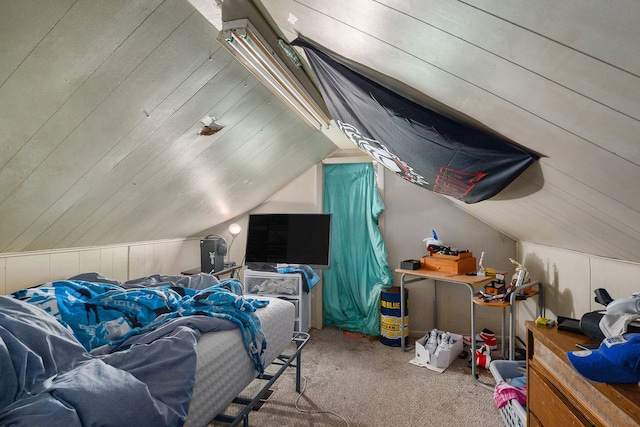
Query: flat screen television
[[289, 238]]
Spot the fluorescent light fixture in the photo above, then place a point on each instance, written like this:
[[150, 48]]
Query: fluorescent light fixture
[[250, 48]]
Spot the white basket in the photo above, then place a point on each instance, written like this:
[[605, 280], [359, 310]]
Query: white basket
[[513, 414]]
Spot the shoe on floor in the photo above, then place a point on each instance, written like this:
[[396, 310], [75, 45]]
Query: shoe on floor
[[489, 338], [484, 337], [483, 357], [432, 341], [444, 343]]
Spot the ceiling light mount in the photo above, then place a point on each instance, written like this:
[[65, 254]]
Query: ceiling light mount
[[210, 126]]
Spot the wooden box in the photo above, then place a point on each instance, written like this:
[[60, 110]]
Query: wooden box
[[451, 264]]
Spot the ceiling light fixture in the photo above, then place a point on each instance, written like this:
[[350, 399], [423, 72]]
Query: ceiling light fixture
[[250, 48], [210, 126]]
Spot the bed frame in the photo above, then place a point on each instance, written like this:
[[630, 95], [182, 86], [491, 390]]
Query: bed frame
[[285, 361]]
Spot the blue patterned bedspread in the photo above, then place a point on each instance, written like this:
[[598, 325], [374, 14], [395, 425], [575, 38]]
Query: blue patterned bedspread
[[112, 353]]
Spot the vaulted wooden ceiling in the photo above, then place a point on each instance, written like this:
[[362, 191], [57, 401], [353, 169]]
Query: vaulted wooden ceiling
[[101, 104], [100, 109]]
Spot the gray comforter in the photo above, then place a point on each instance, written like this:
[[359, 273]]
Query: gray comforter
[[47, 377]]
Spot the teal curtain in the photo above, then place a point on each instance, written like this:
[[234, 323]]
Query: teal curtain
[[359, 269]]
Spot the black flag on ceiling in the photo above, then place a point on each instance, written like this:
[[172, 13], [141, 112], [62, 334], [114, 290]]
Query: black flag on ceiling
[[420, 145]]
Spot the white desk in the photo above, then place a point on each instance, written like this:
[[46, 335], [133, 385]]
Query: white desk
[[458, 279]]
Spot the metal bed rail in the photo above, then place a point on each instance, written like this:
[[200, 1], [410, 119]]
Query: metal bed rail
[[285, 361]]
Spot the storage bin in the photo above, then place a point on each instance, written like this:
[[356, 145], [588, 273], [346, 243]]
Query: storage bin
[[287, 286], [513, 414], [267, 283]]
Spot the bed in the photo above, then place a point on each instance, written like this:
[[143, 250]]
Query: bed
[[183, 351]]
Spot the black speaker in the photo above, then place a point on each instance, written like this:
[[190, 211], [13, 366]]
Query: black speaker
[[590, 326], [212, 253]]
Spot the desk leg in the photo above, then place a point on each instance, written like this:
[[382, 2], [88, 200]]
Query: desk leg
[[512, 326], [504, 329], [435, 304], [512, 314], [473, 341]]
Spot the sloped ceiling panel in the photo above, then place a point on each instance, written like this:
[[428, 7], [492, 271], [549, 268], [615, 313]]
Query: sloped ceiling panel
[[100, 106], [100, 109], [559, 80]]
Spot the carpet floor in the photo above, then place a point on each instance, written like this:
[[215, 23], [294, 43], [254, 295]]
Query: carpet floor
[[356, 381]]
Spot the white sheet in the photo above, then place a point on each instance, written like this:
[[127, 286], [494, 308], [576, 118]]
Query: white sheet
[[224, 367]]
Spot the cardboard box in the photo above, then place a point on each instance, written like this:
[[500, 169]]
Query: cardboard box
[[450, 264], [443, 359]]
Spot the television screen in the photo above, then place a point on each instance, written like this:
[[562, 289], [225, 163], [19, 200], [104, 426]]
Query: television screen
[[289, 239]]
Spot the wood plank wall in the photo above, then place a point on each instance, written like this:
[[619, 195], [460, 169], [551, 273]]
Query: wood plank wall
[[119, 262]]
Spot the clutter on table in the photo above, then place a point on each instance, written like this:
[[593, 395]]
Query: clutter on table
[[616, 361], [410, 264], [499, 290], [445, 259], [543, 321]]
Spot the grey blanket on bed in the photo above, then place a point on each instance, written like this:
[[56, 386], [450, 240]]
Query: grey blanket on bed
[[47, 378]]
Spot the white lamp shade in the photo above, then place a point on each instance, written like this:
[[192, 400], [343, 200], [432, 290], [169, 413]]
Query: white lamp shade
[[235, 229]]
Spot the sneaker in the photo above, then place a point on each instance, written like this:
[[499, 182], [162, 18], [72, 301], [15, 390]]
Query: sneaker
[[432, 341], [466, 339], [445, 340], [489, 338], [444, 344], [484, 337], [483, 357]]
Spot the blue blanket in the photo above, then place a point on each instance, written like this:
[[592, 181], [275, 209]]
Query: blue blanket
[[116, 355], [309, 276]]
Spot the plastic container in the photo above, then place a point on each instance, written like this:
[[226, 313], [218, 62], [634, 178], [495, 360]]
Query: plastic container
[[513, 414]]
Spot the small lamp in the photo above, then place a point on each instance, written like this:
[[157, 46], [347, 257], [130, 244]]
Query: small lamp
[[234, 230]]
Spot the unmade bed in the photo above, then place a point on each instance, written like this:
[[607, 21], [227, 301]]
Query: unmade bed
[[224, 368], [185, 371]]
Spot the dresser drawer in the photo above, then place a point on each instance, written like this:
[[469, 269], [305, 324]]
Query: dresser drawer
[[548, 405], [557, 395]]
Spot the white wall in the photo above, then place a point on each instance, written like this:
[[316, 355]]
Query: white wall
[[411, 212], [570, 278]]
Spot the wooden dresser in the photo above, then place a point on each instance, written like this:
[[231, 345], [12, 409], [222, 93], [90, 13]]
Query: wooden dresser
[[558, 396]]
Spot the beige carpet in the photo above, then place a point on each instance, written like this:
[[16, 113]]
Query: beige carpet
[[363, 383]]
